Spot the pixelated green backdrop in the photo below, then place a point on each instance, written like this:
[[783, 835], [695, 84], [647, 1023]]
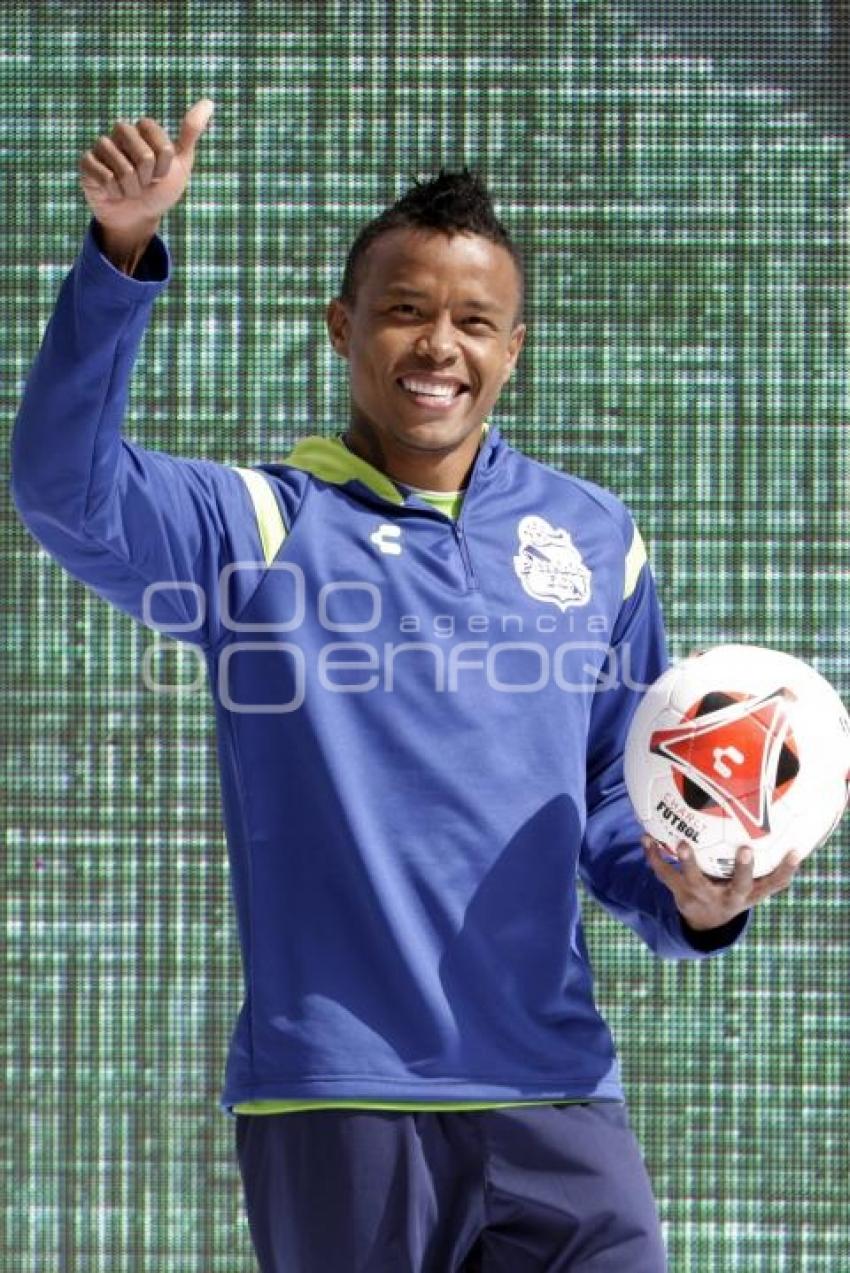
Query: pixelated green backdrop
[[680, 190]]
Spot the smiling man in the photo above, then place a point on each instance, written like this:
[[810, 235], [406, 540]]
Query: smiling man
[[419, 1075], [431, 332]]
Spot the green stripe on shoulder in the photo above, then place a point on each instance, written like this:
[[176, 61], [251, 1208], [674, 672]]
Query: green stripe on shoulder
[[635, 558], [269, 521]]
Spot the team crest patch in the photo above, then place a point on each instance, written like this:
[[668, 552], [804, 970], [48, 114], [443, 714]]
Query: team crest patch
[[549, 566]]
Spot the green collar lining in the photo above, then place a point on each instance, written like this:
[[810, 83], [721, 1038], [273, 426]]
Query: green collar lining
[[330, 460]]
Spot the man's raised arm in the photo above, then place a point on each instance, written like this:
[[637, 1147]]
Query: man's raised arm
[[121, 518]]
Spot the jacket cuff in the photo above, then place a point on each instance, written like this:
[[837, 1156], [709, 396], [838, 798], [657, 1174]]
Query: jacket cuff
[[710, 939], [152, 273]]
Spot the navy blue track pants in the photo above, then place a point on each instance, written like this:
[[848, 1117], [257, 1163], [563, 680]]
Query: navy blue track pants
[[537, 1189]]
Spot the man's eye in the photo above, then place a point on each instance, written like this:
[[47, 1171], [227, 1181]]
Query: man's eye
[[407, 309]]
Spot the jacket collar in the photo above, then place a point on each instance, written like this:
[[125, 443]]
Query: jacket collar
[[330, 460]]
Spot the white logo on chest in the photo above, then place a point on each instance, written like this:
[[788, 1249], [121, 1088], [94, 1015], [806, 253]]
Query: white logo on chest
[[388, 538], [549, 566]]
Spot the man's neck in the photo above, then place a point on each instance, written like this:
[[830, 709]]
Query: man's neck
[[431, 471]]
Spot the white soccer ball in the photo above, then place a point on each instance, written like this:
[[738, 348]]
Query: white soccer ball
[[739, 745]]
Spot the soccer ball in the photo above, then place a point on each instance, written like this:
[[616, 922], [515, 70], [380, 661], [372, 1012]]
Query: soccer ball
[[739, 745]]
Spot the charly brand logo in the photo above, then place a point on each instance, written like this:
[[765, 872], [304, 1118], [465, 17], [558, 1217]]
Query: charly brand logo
[[549, 566], [388, 538]]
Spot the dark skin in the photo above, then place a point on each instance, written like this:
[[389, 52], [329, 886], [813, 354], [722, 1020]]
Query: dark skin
[[439, 305], [456, 319], [446, 306], [706, 902]]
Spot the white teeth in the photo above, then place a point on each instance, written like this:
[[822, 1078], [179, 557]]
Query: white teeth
[[429, 387]]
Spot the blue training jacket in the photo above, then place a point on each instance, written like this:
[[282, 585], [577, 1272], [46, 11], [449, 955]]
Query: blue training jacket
[[420, 726]]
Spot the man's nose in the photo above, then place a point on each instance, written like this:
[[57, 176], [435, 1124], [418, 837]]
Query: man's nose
[[439, 338]]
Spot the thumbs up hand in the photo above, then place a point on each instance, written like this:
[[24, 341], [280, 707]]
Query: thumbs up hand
[[135, 175]]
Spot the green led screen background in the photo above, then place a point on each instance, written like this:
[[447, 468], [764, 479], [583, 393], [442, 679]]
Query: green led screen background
[[677, 177]]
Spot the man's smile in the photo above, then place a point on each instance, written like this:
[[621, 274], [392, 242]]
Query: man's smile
[[432, 392], [430, 338]]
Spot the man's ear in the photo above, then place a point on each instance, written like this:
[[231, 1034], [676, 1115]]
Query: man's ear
[[336, 317], [516, 343]]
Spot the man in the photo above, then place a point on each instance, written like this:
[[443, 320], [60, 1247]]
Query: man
[[424, 650]]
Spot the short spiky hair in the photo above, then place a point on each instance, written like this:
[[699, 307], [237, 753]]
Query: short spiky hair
[[454, 202]]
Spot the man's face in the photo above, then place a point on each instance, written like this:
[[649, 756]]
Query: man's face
[[430, 339]]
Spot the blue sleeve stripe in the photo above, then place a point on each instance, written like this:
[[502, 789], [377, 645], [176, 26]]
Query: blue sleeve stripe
[[635, 558], [269, 521]]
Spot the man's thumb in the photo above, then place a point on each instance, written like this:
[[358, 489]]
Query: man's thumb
[[194, 122]]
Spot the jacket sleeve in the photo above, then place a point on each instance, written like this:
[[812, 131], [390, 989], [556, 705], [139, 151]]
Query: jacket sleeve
[[147, 531], [612, 864]]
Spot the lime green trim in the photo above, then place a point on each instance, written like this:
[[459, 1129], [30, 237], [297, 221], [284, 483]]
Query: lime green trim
[[269, 521], [330, 460], [289, 1107], [635, 558], [447, 502]]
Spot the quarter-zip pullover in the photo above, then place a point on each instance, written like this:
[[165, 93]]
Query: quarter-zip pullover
[[420, 726]]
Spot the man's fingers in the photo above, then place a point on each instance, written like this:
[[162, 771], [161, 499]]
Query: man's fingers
[[652, 845], [133, 176], [160, 143], [129, 140], [122, 169], [95, 174], [135, 156], [741, 885], [690, 867], [779, 879], [706, 901], [663, 869]]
